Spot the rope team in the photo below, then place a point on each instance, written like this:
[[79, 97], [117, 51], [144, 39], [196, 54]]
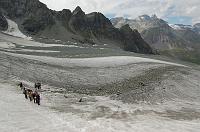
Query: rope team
[[30, 94]]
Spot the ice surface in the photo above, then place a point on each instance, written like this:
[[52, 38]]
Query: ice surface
[[39, 51], [18, 114], [81, 75], [6, 45], [111, 61]]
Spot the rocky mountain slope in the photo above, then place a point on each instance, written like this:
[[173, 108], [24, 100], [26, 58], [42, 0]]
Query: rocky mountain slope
[[197, 28], [35, 19], [141, 23], [3, 22], [178, 41]]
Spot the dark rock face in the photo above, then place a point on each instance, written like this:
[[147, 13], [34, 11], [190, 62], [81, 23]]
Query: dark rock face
[[98, 21], [64, 16], [13, 8], [180, 41], [35, 19], [133, 40], [37, 16], [97, 25], [33, 15], [3, 22], [77, 21], [101, 26], [163, 37]]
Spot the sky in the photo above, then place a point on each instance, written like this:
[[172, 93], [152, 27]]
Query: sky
[[173, 11]]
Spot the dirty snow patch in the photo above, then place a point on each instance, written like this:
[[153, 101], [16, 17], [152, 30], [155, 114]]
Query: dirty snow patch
[[7, 45], [13, 30], [39, 51]]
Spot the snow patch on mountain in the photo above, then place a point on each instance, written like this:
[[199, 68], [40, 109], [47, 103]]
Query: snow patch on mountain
[[143, 18], [174, 26], [180, 26], [13, 30], [141, 23]]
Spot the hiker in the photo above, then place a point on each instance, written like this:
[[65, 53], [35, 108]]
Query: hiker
[[30, 92], [35, 85], [25, 93], [38, 98], [34, 97], [38, 85], [20, 85]]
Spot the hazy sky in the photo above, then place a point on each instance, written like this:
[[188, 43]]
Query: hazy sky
[[173, 11]]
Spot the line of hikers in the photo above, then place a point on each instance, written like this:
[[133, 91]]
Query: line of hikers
[[30, 94]]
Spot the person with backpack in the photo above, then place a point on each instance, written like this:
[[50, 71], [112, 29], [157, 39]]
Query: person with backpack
[[30, 95], [38, 98], [21, 85], [34, 97], [37, 85], [25, 92]]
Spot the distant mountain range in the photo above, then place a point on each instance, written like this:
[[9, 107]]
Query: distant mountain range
[[177, 40], [36, 20]]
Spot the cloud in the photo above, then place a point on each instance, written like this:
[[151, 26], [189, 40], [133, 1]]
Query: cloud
[[165, 9]]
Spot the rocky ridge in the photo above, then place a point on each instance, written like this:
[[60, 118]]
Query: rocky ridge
[[35, 19]]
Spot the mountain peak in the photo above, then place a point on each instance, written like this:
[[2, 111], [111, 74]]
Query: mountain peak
[[144, 17], [154, 16], [181, 26], [197, 25], [147, 17], [78, 10], [126, 27]]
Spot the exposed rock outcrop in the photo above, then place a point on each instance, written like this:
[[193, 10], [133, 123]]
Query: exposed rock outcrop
[[134, 36], [3, 22], [177, 41]]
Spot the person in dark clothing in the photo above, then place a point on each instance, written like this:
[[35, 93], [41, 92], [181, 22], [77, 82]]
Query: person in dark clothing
[[38, 99], [34, 97], [25, 93], [20, 85], [30, 93], [38, 85]]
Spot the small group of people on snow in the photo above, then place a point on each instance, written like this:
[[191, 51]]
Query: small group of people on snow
[[30, 94]]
